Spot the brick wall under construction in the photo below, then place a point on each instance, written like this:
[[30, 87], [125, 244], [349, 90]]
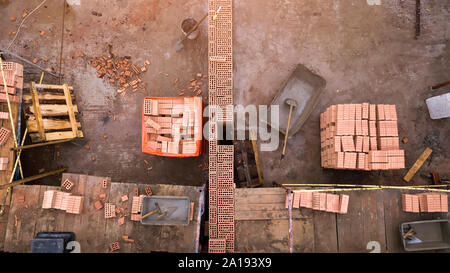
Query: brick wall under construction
[[221, 182]]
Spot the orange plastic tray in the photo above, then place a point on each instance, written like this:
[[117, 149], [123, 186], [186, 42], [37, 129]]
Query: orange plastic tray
[[149, 150]]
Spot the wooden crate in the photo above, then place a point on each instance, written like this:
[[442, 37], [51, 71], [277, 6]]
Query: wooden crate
[[50, 112]]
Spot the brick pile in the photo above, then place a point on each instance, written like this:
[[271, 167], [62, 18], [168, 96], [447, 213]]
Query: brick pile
[[62, 201], [172, 125], [360, 137], [14, 80], [3, 163], [425, 202], [336, 203], [121, 72], [221, 173]]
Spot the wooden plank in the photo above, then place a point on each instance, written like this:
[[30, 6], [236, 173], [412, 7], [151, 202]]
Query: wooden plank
[[93, 222], [3, 227], [73, 222], [256, 153], [55, 136], [269, 214], [363, 223], [18, 238], [5, 151], [394, 216], [325, 237], [48, 219], [273, 236], [50, 124], [130, 228], [69, 104], [26, 98], [37, 111], [46, 86], [114, 232], [54, 110], [419, 162]]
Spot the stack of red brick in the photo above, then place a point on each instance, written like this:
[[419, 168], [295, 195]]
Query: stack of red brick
[[337, 203], [360, 136], [221, 196], [172, 125], [425, 202], [62, 201], [14, 79]]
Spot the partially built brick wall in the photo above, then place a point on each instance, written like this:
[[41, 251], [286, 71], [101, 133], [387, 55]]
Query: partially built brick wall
[[221, 182]]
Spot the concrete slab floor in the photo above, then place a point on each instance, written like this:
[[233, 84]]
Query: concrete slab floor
[[364, 52]]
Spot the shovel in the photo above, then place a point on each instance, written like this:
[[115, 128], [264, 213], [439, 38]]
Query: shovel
[[179, 42]]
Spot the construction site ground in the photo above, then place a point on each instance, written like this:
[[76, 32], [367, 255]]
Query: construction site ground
[[366, 53]]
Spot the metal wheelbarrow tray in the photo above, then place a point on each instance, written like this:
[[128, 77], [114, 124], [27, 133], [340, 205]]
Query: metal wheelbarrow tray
[[305, 87], [177, 207]]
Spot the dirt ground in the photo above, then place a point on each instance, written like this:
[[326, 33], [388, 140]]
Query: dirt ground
[[366, 53]]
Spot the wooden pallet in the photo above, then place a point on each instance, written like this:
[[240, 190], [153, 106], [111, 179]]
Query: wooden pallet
[[51, 114]]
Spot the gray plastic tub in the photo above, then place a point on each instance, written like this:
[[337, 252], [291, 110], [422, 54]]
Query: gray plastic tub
[[177, 207], [433, 234], [305, 87]]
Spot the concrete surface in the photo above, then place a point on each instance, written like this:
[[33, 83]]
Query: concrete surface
[[365, 52]]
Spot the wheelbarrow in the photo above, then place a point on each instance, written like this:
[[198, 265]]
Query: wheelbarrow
[[303, 86]]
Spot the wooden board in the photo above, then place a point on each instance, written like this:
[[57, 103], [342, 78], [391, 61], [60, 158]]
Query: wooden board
[[53, 110], [325, 234], [50, 124], [18, 238], [394, 216], [419, 162], [5, 150], [37, 111], [26, 98], [46, 86], [92, 230], [55, 136], [363, 223], [264, 236], [264, 204], [70, 106]]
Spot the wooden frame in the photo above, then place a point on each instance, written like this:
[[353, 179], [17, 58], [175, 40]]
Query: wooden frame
[[51, 114]]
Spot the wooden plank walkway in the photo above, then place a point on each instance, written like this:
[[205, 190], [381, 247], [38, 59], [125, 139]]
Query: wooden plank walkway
[[262, 223], [92, 230]]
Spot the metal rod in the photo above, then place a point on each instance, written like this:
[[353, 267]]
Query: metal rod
[[437, 86], [32, 178], [417, 19], [23, 147], [25, 180], [4, 51]]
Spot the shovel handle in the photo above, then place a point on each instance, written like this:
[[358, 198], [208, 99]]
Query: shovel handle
[[196, 26], [287, 130]]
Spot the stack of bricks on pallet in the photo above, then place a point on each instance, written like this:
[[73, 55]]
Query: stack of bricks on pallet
[[4, 135], [173, 125], [3, 163], [360, 137], [425, 202], [14, 79], [62, 201], [336, 203], [221, 175]]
